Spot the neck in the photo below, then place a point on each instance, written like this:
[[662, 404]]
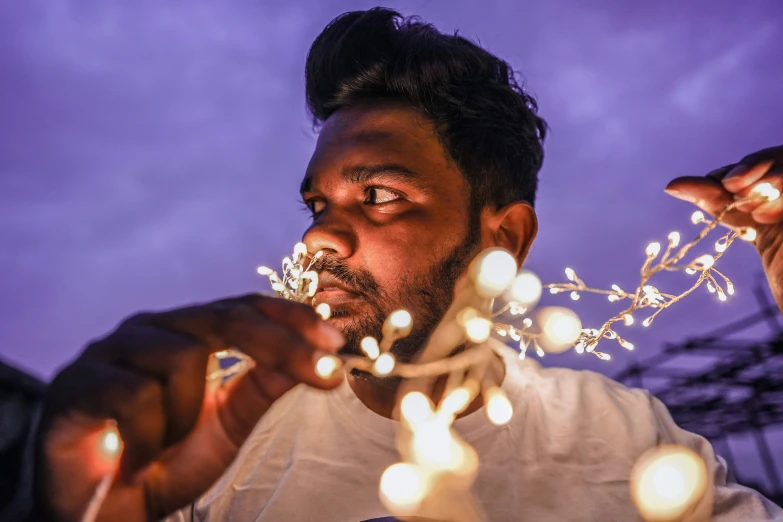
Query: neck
[[380, 394]]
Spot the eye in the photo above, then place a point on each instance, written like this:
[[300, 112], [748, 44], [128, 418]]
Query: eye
[[379, 195], [313, 206]]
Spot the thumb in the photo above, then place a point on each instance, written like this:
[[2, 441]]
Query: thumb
[[710, 196]]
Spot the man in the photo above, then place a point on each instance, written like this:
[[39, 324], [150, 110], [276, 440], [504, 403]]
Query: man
[[428, 152]]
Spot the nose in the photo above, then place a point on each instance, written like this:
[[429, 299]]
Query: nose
[[331, 233]]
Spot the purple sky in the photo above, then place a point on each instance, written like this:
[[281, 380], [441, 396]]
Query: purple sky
[[151, 151]]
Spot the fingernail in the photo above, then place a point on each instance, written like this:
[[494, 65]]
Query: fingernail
[[331, 335], [736, 172], [679, 194]]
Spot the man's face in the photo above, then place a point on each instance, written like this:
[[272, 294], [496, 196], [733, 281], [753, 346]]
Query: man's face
[[392, 215]]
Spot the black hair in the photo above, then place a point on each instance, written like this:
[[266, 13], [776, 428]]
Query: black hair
[[485, 120]]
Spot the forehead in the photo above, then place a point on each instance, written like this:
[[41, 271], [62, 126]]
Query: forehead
[[381, 133]]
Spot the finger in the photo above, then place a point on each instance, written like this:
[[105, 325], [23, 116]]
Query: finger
[[743, 176], [100, 391], [177, 361], [302, 319], [720, 173], [710, 196]]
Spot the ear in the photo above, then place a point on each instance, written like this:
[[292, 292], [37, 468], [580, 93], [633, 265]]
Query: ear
[[513, 227]]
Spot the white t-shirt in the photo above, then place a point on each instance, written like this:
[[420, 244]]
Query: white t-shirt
[[566, 455]]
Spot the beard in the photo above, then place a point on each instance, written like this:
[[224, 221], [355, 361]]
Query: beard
[[426, 296]]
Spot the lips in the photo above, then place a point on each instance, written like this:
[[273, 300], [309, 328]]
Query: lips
[[333, 291]]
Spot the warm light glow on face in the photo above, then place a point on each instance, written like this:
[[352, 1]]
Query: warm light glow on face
[[403, 486], [765, 191], [323, 310], [326, 366], [499, 410], [560, 328], [667, 481], [493, 271], [526, 289]]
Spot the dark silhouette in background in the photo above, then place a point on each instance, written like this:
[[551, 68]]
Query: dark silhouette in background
[[739, 392]]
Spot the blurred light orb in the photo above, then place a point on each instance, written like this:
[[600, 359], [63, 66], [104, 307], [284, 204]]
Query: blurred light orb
[[416, 408], [384, 364], [370, 347], [326, 366], [499, 410], [560, 327], [403, 486], [493, 271], [478, 329], [323, 310], [526, 289], [765, 190], [667, 481]]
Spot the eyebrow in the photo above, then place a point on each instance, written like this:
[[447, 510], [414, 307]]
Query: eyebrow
[[367, 173]]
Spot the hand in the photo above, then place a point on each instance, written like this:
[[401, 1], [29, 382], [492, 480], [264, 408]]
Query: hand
[[179, 435], [720, 187]]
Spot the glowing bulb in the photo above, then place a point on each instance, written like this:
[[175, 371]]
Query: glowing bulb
[[265, 270], [398, 324], [575, 296], [526, 288], [766, 191], [456, 401], [527, 322], [613, 297], [647, 322], [706, 261], [603, 356], [628, 318], [720, 246], [323, 310], [478, 329], [384, 364], [570, 274], [729, 288], [561, 328], [674, 239], [416, 408], [110, 442], [493, 271], [326, 365], [711, 288], [697, 217], [627, 345], [653, 249], [300, 250], [721, 295], [748, 234], [499, 410], [403, 486], [370, 347], [690, 271], [667, 481]]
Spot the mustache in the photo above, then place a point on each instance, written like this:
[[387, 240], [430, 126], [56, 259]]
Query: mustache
[[358, 281]]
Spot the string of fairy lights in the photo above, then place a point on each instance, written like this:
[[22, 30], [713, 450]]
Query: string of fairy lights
[[435, 462]]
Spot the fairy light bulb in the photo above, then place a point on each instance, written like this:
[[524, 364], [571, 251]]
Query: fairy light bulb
[[384, 364], [369, 346], [326, 365], [110, 443], [398, 324], [264, 271], [628, 318], [748, 234], [300, 250], [323, 310], [626, 344], [706, 261], [667, 481], [575, 296], [435, 448], [403, 486], [415, 408], [560, 328], [674, 239], [653, 249], [499, 410], [697, 217], [456, 401], [526, 289], [493, 271], [766, 191], [478, 329]]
